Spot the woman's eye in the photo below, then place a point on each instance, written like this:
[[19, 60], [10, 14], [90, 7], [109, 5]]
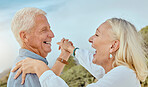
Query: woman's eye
[[96, 35]]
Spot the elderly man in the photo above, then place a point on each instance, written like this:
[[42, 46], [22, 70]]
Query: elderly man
[[32, 31]]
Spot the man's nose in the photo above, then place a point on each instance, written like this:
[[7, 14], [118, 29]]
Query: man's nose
[[51, 34], [90, 39]]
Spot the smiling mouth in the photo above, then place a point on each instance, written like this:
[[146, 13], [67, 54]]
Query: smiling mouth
[[95, 53], [46, 42]]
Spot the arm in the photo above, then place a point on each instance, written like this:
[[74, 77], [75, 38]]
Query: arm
[[35, 66], [59, 66], [85, 59], [120, 76], [49, 79], [38, 67]]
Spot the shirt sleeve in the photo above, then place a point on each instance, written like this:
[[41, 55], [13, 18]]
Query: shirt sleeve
[[85, 59], [49, 79], [118, 77]]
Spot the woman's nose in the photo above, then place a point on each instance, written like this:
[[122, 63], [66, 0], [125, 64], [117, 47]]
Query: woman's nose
[[90, 39]]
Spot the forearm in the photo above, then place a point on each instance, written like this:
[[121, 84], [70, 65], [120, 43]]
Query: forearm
[[85, 59], [49, 79], [59, 66], [40, 68]]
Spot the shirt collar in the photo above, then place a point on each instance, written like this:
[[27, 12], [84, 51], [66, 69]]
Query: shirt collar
[[27, 53]]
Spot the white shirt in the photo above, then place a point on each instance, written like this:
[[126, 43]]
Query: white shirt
[[120, 76]]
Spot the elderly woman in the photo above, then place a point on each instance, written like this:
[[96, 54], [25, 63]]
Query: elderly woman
[[119, 59]]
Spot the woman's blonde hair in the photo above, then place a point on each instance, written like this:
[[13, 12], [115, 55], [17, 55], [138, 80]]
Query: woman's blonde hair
[[24, 20], [131, 52]]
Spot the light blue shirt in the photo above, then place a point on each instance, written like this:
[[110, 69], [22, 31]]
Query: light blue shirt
[[31, 80]]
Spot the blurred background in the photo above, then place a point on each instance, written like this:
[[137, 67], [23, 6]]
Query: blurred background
[[76, 20]]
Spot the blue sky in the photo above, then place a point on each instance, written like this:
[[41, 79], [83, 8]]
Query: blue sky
[[73, 19]]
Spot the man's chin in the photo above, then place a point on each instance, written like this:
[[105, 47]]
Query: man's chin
[[48, 51]]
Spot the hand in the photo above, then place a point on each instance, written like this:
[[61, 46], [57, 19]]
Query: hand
[[29, 65], [66, 45], [63, 51]]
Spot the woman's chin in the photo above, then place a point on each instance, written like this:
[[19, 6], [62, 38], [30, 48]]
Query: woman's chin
[[94, 60]]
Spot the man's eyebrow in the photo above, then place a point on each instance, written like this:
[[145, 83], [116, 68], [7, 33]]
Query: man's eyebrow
[[44, 27]]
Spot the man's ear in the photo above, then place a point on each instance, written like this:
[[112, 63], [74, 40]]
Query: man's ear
[[23, 36], [115, 46]]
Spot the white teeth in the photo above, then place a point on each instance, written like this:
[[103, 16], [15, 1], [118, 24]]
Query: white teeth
[[48, 42]]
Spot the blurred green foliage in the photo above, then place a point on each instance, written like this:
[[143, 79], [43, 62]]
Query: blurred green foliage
[[77, 76], [71, 62], [144, 33], [3, 81]]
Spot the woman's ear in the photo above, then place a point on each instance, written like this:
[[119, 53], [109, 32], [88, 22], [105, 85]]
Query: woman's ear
[[115, 46], [23, 36]]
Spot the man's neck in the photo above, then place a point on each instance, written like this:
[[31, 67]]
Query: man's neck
[[34, 50]]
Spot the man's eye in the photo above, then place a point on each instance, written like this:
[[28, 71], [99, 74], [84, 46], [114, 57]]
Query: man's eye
[[44, 30]]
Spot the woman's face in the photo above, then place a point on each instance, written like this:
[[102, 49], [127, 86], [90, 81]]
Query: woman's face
[[102, 42]]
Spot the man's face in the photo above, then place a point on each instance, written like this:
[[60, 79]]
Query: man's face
[[40, 37]]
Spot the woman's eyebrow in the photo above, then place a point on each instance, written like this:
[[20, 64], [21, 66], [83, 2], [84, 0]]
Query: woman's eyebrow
[[98, 30]]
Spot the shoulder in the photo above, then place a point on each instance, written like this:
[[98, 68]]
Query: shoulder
[[31, 80], [122, 75], [121, 72]]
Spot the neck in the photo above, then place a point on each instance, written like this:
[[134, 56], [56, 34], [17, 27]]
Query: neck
[[34, 50], [108, 66]]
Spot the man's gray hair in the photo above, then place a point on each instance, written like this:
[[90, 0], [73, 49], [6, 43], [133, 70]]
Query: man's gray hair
[[24, 20]]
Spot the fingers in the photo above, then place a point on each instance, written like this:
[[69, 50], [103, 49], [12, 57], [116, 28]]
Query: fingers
[[66, 41], [59, 47], [18, 73], [18, 65], [71, 43], [63, 40], [23, 78], [19, 62], [59, 43]]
